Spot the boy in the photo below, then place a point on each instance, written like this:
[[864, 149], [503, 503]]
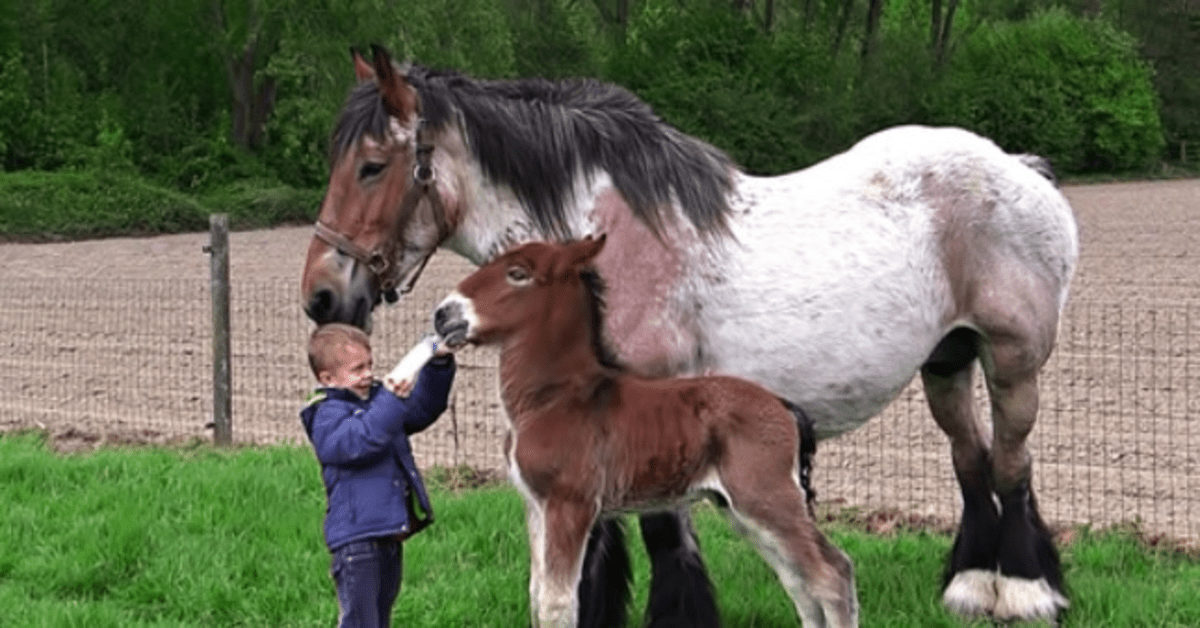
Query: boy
[[359, 430]]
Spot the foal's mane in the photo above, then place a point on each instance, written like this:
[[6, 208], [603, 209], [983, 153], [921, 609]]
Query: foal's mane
[[594, 288], [535, 136]]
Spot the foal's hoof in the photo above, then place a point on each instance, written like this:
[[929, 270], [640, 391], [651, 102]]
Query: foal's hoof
[[1019, 599], [972, 593]]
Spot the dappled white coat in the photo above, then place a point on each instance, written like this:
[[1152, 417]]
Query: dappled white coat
[[838, 280]]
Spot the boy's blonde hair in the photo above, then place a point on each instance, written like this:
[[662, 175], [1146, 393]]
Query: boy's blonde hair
[[326, 338]]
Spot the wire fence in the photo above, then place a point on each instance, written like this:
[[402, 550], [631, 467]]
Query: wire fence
[[130, 361]]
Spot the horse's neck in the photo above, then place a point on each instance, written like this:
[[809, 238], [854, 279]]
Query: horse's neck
[[493, 220], [535, 373]]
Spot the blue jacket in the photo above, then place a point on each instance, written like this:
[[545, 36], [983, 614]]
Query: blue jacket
[[371, 479]]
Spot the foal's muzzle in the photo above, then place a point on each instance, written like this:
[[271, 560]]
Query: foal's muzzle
[[450, 323]]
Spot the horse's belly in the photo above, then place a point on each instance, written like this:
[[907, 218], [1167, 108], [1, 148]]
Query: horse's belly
[[832, 309]]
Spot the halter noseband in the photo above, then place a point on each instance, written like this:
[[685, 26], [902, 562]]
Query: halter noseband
[[381, 260]]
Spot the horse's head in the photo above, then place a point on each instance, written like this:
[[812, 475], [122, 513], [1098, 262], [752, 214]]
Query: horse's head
[[383, 215], [529, 287]]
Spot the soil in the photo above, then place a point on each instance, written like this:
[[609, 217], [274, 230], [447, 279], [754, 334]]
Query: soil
[[109, 342]]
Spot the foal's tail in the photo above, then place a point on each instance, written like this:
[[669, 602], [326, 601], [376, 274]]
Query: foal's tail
[[808, 448]]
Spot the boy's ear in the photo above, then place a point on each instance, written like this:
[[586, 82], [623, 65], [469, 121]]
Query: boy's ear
[[324, 377]]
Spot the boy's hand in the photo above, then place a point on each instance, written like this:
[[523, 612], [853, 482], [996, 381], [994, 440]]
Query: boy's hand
[[405, 374], [401, 389]]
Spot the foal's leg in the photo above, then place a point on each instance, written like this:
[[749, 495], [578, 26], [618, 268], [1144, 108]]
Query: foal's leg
[[557, 556], [818, 577], [681, 595], [772, 511]]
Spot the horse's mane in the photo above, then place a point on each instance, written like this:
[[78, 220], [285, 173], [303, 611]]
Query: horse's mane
[[536, 136], [595, 289]]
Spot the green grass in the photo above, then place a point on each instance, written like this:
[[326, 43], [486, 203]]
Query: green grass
[[204, 537]]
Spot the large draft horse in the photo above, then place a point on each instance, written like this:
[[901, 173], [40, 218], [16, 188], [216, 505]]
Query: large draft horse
[[917, 250], [588, 438]]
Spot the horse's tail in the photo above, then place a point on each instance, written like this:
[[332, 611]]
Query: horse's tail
[[808, 448], [1040, 165]]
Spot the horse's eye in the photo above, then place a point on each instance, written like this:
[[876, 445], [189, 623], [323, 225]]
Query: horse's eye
[[370, 169], [517, 275]]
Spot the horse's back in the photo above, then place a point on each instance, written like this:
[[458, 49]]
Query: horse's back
[[847, 274]]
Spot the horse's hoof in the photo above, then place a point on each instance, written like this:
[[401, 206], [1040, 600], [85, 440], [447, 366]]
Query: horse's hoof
[[1020, 599], [972, 593]]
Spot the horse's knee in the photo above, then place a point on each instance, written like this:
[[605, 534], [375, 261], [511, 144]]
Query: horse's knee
[[1013, 417]]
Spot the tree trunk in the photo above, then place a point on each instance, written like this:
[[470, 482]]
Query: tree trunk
[[874, 14], [615, 18], [941, 27], [252, 104], [842, 25], [935, 24]]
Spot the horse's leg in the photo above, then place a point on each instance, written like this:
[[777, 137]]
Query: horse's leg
[[680, 592], [604, 586], [970, 580], [818, 577], [564, 534], [1029, 585]]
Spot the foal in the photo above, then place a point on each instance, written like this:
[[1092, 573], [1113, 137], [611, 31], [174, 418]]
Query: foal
[[588, 439]]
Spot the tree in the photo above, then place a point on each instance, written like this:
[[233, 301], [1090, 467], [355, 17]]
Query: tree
[[940, 24], [246, 34]]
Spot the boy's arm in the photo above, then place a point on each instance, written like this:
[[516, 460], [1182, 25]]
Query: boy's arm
[[345, 434], [431, 393]]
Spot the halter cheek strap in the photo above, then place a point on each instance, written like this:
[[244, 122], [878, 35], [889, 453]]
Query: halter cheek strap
[[380, 261]]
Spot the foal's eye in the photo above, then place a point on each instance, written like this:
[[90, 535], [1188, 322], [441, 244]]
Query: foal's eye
[[370, 169], [518, 275]]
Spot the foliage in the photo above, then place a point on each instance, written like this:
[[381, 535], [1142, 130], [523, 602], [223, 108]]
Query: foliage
[[92, 203], [1070, 89], [200, 95], [95, 203], [204, 537], [707, 70]]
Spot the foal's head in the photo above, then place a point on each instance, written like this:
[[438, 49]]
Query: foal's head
[[540, 289]]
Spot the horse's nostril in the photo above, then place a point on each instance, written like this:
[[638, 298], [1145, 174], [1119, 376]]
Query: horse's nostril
[[320, 306]]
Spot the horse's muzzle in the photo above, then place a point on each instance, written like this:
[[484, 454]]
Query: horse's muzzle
[[326, 306]]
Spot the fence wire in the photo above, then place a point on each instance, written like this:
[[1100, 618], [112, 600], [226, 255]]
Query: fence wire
[[130, 361]]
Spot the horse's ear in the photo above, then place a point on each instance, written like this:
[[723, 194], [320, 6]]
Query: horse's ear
[[399, 98], [362, 70]]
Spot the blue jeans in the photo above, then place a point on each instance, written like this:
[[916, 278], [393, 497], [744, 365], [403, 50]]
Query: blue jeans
[[367, 575]]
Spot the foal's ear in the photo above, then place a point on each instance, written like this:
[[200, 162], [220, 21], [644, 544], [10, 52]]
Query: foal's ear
[[362, 70], [399, 98], [586, 250]]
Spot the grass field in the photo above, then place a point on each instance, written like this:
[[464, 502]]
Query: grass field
[[204, 537]]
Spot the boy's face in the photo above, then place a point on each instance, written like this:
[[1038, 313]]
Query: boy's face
[[352, 370]]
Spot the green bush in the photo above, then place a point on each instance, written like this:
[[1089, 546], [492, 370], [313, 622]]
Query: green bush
[[257, 204], [89, 204], [1067, 88]]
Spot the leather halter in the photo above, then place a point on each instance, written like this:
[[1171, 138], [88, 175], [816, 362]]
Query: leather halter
[[381, 260]]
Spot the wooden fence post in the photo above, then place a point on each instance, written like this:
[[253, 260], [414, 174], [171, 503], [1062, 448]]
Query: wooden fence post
[[218, 249]]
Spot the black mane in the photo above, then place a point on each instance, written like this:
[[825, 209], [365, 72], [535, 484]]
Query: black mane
[[535, 135], [594, 284]]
